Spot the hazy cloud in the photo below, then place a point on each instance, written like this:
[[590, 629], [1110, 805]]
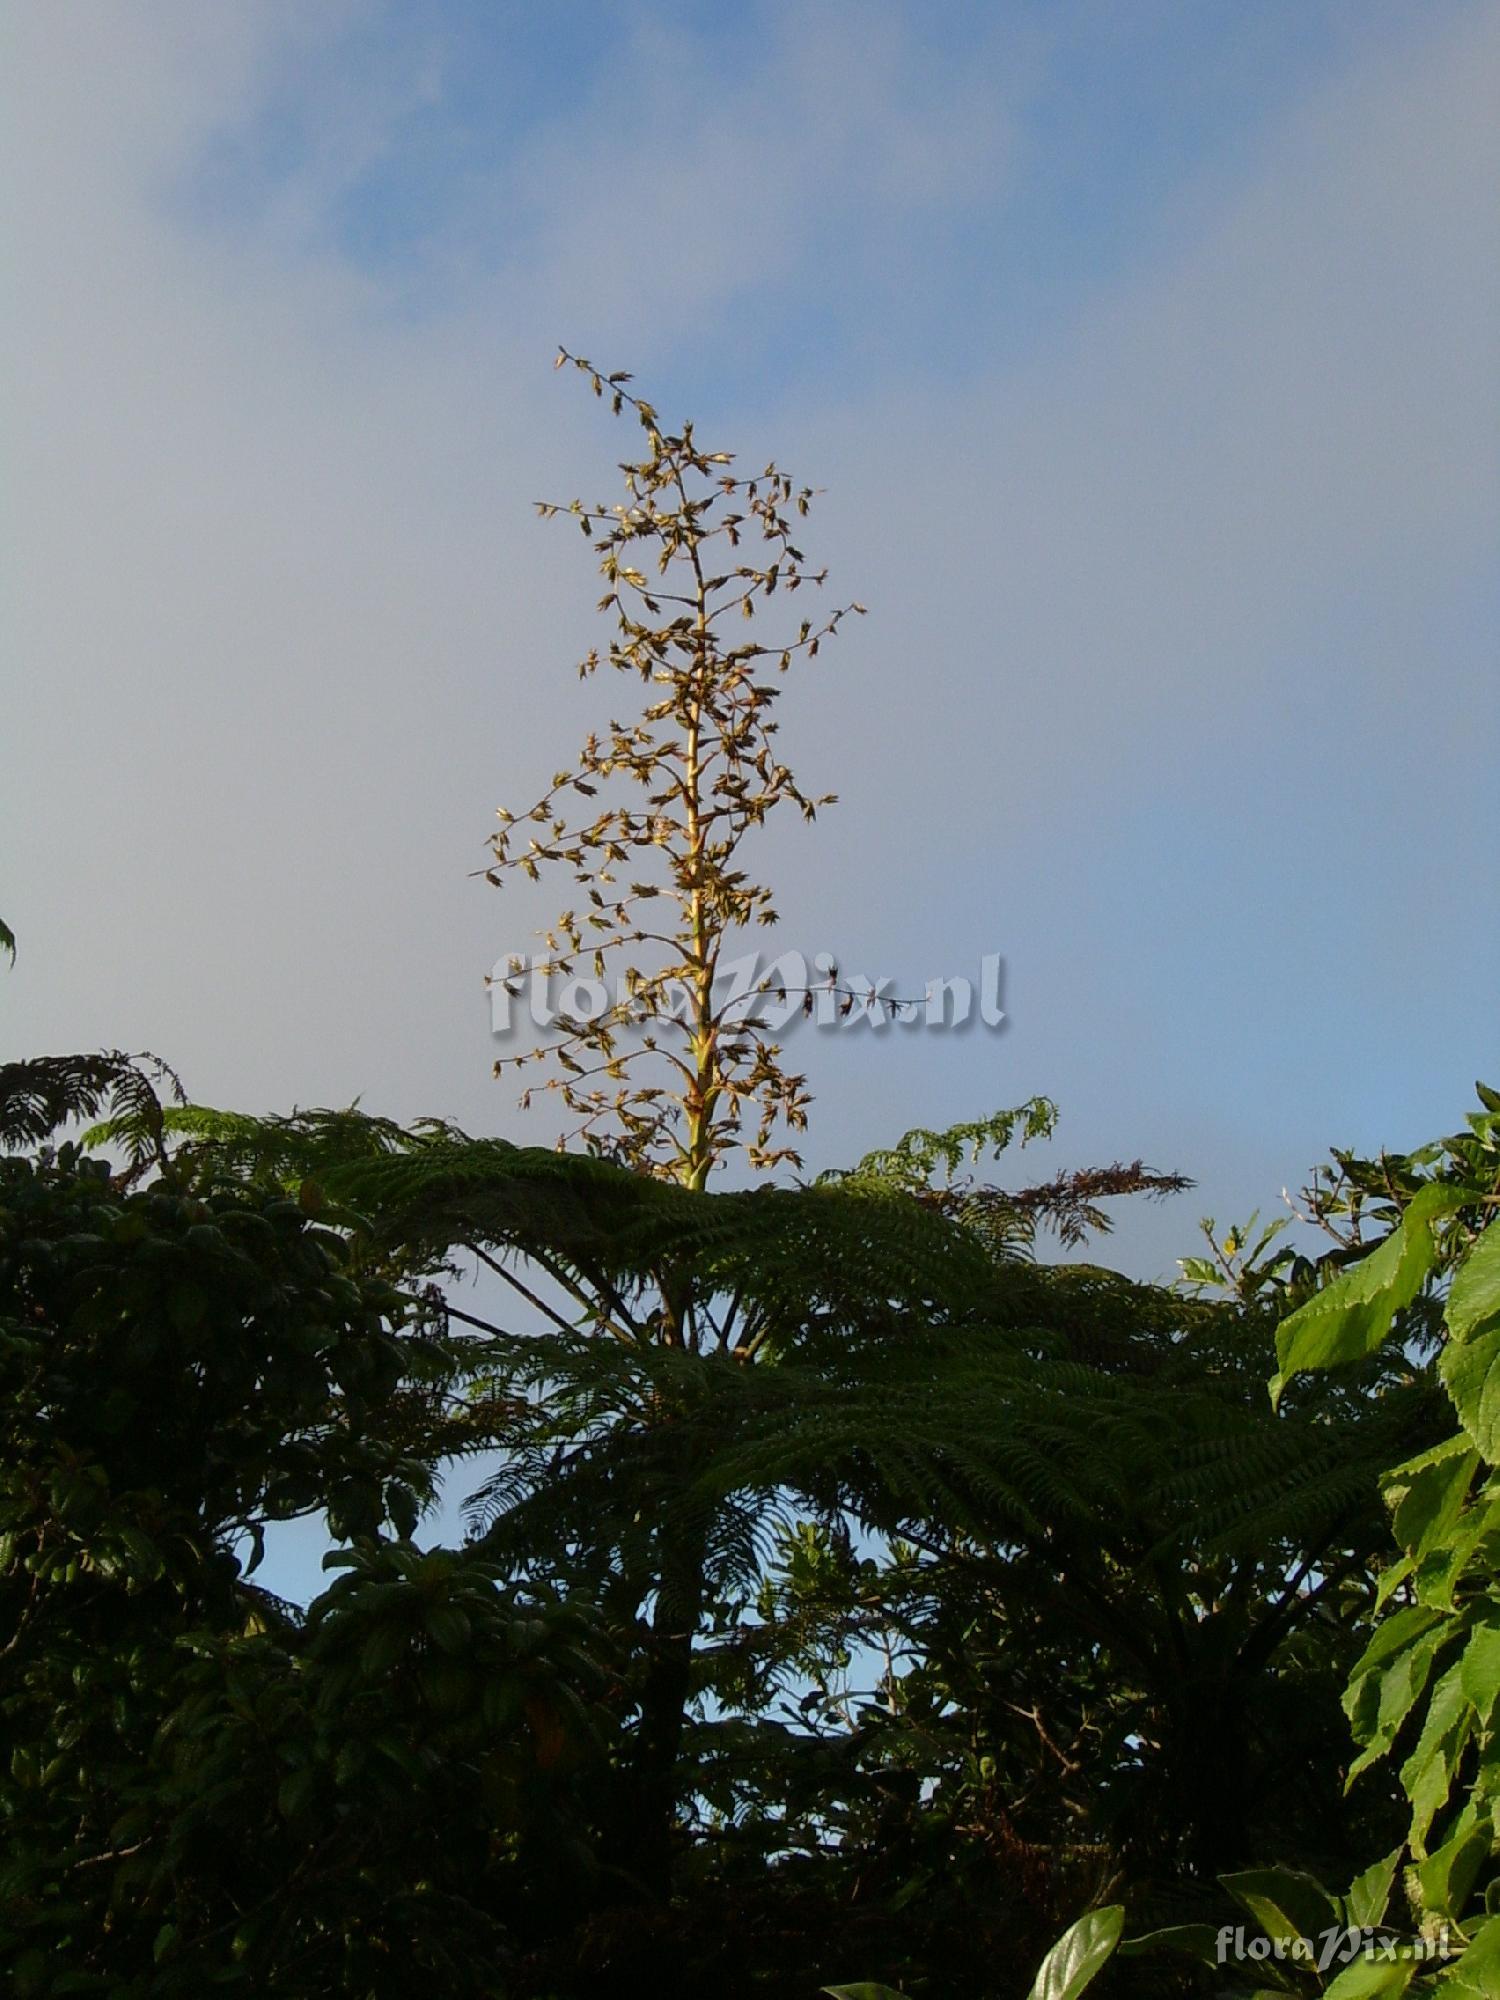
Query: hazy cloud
[[1200, 576]]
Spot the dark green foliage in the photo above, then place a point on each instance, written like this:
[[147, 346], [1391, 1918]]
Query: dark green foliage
[[1426, 1686], [940, 1591], [44, 1093], [1115, 1590], [386, 1793], [850, 1595], [199, 1352], [198, 1788]]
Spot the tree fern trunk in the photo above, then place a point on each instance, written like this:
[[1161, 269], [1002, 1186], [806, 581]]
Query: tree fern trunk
[[664, 1699]]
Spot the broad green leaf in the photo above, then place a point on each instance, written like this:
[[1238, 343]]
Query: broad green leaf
[[1443, 1567], [1079, 1955], [1352, 1316], [1200, 1941], [1445, 1878], [449, 1626], [1427, 1775], [1392, 1636], [1476, 1976], [381, 1648], [295, 1792], [1370, 1894], [1285, 1902], [1427, 1493], [863, 1989], [1475, 1296], [1479, 1669], [1392, 1580], [1377, 1701], [1367, 1978], [1471, 1374]]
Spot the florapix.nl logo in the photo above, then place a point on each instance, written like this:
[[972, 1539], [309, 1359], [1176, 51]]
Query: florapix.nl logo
[[1338, 1945], [775, 994]]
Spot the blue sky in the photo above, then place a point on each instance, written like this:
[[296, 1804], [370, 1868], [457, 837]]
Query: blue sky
[[1146, 353], [1047, 150]]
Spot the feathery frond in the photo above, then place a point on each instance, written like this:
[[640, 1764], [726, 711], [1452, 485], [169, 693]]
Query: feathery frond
[[41, 1095]]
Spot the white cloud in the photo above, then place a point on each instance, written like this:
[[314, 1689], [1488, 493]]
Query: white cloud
[[289, 633], [1297, 413]]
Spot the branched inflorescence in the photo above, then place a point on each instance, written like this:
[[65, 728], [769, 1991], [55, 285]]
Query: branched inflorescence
[[673, 1075]]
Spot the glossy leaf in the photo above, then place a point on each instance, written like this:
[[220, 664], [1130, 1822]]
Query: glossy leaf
[[1285, 1902], [1475, 1298], [1369, 1895], [1352, 1316], [1371, 1979], [1079, 1955], [1471, 1372]]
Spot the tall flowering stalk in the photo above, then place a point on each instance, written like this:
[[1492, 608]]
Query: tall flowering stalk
[[675, 1074]]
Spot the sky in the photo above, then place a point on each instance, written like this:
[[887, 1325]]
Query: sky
[[1145, 357]]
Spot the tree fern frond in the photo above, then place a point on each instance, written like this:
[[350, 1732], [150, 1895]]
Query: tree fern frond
[[1007, 1219], [41, 1095], [909, 1166]]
